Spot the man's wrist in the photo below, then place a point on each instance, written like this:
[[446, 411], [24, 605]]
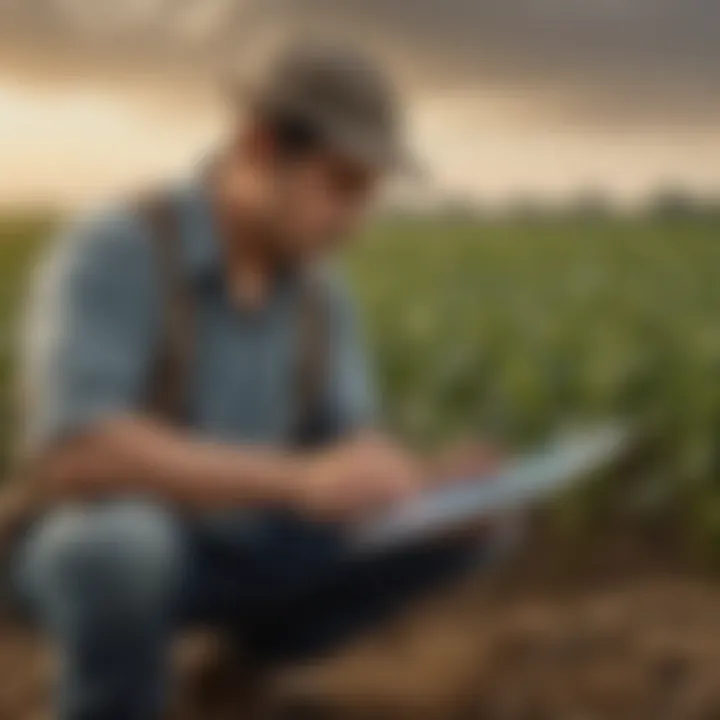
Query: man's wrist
[[285, 478]]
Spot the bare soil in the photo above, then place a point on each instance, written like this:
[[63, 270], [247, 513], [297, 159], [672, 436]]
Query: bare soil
[[611, 638]]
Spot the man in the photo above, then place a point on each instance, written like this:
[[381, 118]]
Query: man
[[224, 518]]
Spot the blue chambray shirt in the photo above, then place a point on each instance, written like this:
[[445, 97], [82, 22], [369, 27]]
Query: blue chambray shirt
[[95, 320]]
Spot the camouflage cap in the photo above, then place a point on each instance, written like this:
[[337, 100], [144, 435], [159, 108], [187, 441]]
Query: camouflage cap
[[341, 93]]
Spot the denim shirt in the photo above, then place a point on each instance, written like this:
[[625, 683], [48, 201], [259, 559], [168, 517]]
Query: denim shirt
[[95, 320]]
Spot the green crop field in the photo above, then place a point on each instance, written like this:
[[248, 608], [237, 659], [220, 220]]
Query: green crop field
[[20, 241], [513, 328]]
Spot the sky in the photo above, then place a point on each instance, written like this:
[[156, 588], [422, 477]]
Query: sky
[[507, 98]]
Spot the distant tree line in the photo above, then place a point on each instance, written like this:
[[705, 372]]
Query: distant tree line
[[667, 204]]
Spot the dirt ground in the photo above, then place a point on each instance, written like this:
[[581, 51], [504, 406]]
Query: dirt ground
[[573, 643]]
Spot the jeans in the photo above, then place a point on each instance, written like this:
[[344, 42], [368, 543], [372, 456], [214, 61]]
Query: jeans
[[113, 583]]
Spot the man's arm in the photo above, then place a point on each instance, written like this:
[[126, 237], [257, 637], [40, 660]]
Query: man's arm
[[90, 346], [139, 456], [351, 397]]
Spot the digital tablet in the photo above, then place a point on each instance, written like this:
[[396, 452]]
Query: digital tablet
[[523, 482]]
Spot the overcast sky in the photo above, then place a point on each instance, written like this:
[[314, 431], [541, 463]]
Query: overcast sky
[[542, 97]]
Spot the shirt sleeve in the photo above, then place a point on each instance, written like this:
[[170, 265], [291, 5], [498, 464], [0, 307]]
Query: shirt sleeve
[[352, 399], [89, 333]]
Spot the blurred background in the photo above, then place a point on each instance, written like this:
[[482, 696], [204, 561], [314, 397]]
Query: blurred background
[[559, 263], [520, 100]]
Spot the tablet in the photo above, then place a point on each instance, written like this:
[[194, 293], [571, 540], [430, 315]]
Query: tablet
[[523, 482]]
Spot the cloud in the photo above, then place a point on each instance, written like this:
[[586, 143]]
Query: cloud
[[613, 60], [510, 96], [596, 61]]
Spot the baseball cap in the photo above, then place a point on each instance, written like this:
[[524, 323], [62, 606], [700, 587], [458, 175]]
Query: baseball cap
[[338, 91]]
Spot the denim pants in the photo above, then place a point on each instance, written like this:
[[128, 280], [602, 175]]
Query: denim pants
[[113, 583]]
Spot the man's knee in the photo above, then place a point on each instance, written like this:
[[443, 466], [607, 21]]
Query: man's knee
[[122, 557]]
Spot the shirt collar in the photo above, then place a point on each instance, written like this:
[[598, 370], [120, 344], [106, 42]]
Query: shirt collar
[[201, 240]]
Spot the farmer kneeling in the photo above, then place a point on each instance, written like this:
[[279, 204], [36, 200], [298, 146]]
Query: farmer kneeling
[[199, 412]]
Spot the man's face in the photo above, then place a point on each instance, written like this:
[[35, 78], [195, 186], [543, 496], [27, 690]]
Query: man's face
[[309, 202], [318, 200]]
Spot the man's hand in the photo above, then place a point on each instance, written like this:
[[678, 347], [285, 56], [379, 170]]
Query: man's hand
[[468, 458], [476, 461], [356, 478]]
